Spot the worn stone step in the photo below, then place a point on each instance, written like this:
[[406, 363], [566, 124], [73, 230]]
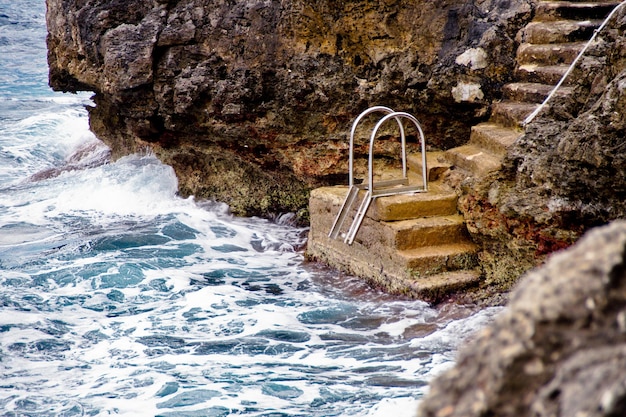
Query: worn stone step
[[436, 287], [548, 54], [436, 164], [494, 137], [440, 200], [542, 74], [559, 31], [425, 272], [474, 159], [532, 92], [511, 113], [413, 233], [573, 10], [432, 260]]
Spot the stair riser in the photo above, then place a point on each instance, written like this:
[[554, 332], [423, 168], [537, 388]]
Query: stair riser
[[437, 264], [413, 209], [548, 54], [411, 239], [547, 11], [509, 117], [410, 236], [435, 168], [475, 166], [558, 32], [527, 95], [492, 141], [542, 75]]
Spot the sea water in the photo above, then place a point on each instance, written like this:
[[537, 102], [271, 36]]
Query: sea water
[[118, 297]]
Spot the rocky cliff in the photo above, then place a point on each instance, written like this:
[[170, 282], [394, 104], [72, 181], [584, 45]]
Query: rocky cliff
[[559, 348], [250, 100]]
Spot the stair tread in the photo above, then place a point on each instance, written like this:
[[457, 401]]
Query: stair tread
[[515, 105], [553, 45], [495, 137], [427, 222], [475, 159], [439, 200]]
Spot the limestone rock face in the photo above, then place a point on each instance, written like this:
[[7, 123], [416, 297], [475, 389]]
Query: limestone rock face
[[559, 348], [250, 101]]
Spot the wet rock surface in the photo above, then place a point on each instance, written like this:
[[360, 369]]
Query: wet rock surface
[[250, 101], [559, 348]]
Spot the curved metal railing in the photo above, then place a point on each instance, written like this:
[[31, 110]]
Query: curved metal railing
[[381, 188]]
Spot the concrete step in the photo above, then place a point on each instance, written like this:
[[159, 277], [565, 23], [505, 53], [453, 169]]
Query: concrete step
[[548, 54], [542, 74], [435, 256], [560, 31], [532, 92], [511, 113], [440, 200], [417, 233], [436, 164], [436, 287], [573, 10], [494, 137], [433, 260], [474, 159]]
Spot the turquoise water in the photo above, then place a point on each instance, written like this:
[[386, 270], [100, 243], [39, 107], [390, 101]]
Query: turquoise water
[[117, 297]]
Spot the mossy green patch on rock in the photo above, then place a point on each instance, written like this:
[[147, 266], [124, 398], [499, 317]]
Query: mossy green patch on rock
[[247, 188]]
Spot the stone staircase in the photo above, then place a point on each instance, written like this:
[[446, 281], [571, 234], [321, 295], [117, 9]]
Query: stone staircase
[[548, 45], [418, 244], [415, 245]]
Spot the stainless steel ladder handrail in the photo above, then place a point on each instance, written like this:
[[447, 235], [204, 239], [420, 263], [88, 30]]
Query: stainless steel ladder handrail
[[381, 188], [353, 132]]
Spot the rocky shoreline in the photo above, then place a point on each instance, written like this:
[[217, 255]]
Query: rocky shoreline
[[559, 347], [251, 101]]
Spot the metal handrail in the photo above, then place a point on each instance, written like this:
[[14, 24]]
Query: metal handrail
[[532, 115], [397, 116], [353, 131], [381, 188]]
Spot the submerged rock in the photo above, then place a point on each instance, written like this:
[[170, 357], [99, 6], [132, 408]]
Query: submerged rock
[[559, 348]]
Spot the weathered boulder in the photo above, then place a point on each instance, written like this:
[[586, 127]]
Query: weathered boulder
[[559, 347], [250, 100]]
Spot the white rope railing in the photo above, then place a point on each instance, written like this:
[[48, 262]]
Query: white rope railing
[[532, 115]]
